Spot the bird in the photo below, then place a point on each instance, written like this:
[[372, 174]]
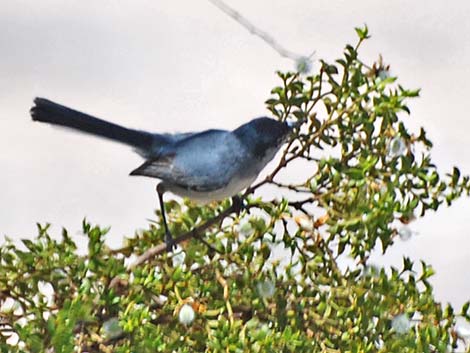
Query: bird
[[203, 166]]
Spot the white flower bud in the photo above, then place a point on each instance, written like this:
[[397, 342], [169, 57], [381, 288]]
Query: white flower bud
[[266, 289], [405, 233], [111, 328], [303, 65], [401, 324], [245, 229], [383, 74], [397, 147], [178, 259], [186, 314]]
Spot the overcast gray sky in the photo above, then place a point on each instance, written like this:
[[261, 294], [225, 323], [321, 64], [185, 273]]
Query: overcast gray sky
[[177, 66]]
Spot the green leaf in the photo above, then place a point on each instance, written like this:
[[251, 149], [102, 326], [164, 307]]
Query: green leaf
[[362, 33]]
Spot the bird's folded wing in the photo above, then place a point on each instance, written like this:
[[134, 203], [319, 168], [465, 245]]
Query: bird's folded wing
[[163, 168]]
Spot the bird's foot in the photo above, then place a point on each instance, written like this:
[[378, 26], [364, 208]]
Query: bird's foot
[[238, 203], [169, 241]]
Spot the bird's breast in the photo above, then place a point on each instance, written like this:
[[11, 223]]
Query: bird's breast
[[234, 186]]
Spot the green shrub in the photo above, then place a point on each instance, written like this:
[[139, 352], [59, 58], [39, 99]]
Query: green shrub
[[273, 277]]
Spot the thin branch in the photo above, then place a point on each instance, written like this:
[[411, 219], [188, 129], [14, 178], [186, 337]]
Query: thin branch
[[296, 188], [194, 233], [266, 37]]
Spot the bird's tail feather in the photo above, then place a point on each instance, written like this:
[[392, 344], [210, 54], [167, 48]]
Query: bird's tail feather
[[47, 111]]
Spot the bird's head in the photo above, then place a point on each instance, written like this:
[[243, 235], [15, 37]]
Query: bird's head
[[263, 135]]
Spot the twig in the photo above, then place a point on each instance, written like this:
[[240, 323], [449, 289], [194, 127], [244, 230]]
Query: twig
[[225, 287], [194, 233], [296, 188], [266, 37]]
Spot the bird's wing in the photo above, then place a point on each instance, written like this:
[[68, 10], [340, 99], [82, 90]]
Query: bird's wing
[[204, 161], [164, 168]]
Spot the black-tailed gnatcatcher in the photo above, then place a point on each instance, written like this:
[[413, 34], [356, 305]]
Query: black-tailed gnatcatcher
[[203, 166]]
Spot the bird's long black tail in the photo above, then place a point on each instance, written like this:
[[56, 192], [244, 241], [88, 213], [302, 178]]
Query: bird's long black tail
[[47, 111]]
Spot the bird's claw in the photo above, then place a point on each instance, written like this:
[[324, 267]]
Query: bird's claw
[[238, 203], [169, 241]]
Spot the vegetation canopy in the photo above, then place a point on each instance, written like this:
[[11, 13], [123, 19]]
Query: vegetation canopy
[[290, 274]]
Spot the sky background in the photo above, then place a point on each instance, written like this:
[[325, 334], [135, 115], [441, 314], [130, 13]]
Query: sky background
[[181, 66]]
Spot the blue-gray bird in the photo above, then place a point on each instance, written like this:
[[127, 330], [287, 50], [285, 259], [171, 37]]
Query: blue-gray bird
[[203, 166]]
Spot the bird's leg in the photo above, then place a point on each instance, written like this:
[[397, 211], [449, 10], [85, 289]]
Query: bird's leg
[[169, 241]]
